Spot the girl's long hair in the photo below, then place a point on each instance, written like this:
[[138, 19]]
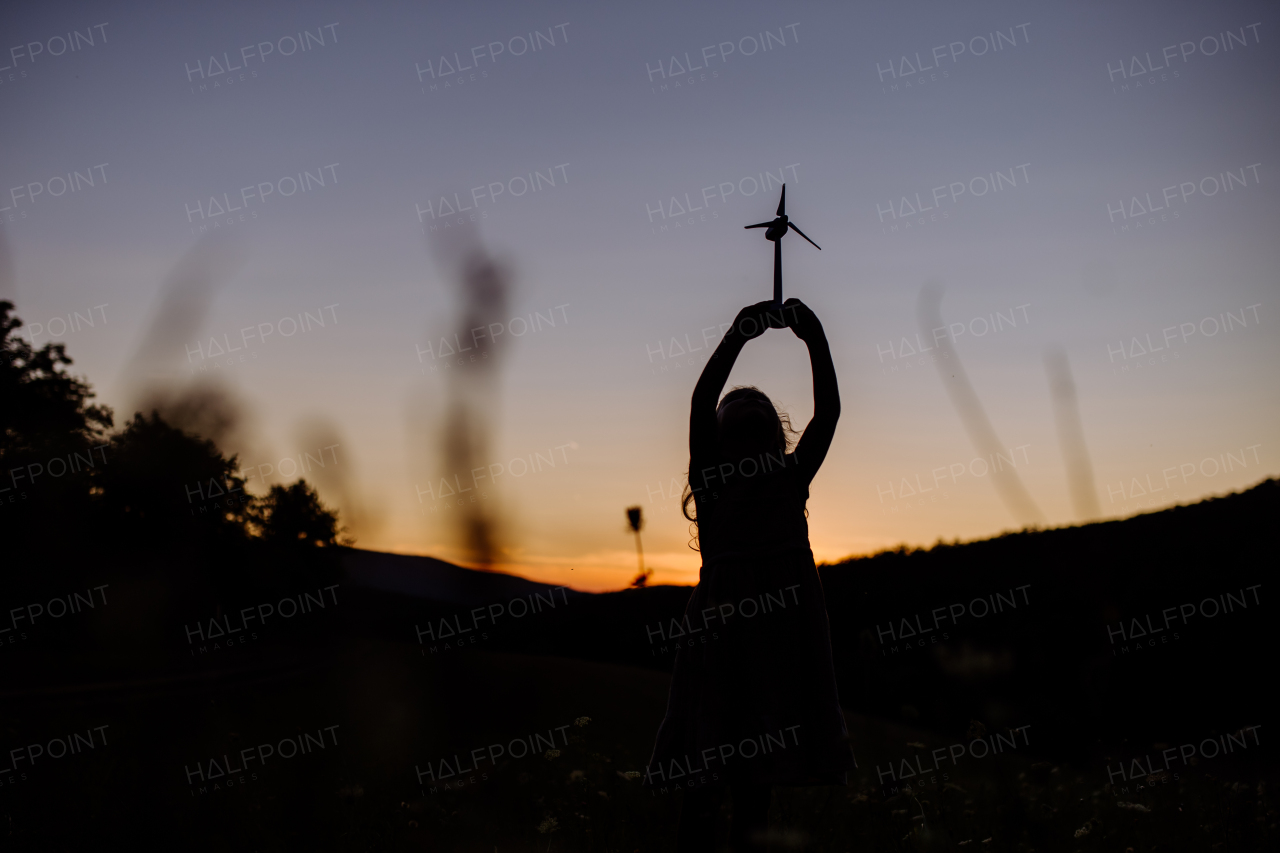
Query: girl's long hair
[[786, 437]]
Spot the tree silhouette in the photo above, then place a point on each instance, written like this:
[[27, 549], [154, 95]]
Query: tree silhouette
[[150, 493], [44, 406], [49, 433], [160, 483], [294, 516]]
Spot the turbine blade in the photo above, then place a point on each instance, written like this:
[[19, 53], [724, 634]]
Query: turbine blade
[[782, 202], [759, 225], [802, 234]]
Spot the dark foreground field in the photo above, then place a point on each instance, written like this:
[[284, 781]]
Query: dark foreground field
[[1125, 702], [395, 709]]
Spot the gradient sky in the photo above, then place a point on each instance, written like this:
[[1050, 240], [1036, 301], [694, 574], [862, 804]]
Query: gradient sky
[[605, 385]]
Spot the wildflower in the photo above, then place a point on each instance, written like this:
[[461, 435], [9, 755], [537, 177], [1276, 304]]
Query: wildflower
[[976, 729], [1084, 830], [1137, 807], [629, 775], [581, 721], [549, 825], [551, 753]]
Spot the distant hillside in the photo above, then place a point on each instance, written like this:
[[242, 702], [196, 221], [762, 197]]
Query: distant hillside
[[1155, 623], [427, 577], [933, 637]]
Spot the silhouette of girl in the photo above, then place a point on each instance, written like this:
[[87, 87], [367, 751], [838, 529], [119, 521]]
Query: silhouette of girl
[[753, 699]]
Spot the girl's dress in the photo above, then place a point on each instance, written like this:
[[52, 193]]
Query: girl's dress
[[753, 693]]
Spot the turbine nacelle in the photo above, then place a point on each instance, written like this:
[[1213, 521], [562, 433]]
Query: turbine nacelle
[[777, 229]]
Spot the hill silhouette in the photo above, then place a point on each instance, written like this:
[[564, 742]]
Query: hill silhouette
[[1031, 628], [1151, 627]]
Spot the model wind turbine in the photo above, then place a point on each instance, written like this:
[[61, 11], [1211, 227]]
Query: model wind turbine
[[778, 230]]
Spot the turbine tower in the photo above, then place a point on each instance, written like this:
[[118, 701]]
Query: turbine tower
[[777, 230]]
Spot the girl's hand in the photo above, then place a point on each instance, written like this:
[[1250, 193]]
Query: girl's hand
[[802, 320], [752, 321]]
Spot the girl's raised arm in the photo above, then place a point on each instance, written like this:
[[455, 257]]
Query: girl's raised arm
[[750, 323], [815, 442]]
